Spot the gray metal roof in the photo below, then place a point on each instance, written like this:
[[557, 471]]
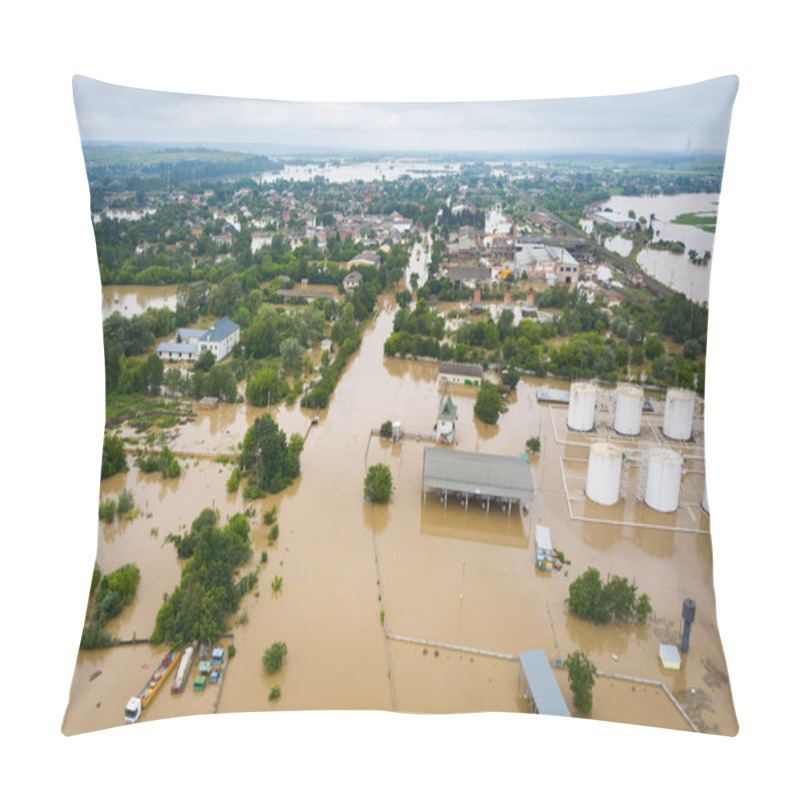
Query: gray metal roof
[[478, 474], [221, 330], [456, 368], [177, 347], [546, 395], [542, 684]]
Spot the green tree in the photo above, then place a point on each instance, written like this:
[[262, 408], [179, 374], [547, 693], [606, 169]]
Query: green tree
[[292, 354], [581, 679], [114, 460], [487, 406], [266, 457], [272, 659], [378, 485]]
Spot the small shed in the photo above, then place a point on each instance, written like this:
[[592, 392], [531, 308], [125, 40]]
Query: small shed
[[670, 656], [539, 686], [208, 403]]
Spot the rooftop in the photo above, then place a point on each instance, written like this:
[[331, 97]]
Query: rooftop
[[479, 474], [542, 684]]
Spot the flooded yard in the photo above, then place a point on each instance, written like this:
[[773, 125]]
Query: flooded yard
[[383, 609]]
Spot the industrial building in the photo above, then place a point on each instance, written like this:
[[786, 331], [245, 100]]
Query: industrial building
[[477, 477]]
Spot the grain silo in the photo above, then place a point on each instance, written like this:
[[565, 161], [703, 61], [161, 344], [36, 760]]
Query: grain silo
[[628, 412], [663, 479], [678, 413], [605, 472], [580, 416]]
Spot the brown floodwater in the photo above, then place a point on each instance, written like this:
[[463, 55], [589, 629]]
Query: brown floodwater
[[447, 578]]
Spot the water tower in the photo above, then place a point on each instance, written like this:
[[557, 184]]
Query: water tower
[[688, 618]]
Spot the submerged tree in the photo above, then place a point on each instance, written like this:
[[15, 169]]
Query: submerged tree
[[581, 679], [272, 659], [378, 485]]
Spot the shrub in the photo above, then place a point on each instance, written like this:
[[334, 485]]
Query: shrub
[[386, 429], [108, 510], [272, 659], [275, 693], [616, 600], [125, 502], [534, 444]]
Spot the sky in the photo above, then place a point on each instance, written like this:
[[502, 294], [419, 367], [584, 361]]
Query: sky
[[693, 118]]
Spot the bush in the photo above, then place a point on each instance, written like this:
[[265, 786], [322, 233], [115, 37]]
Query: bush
[[272, 659], [534, 444], [378, 484], [616, 600], [108, 510], [125, 502], [386, 429], [275, 693]]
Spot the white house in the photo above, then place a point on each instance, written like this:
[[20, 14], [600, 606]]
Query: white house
[[190, 343]]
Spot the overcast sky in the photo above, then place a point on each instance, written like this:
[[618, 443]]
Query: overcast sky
[[690, 118]]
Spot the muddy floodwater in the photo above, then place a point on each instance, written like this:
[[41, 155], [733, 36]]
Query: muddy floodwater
[[414, 606]]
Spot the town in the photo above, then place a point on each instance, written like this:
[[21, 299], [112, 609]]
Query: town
[[429, 406]]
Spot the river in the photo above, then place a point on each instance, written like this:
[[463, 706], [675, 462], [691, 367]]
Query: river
[[443, 576]]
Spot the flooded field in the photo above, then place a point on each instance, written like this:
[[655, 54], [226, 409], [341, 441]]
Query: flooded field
[[386, 608]]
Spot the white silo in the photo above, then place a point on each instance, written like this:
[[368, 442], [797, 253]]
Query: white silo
[[605, 472], [628, 413], [678, 413], [580, 416], [663, 479], [704, 501]]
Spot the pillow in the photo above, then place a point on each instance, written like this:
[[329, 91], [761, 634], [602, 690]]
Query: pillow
[[404, 407]]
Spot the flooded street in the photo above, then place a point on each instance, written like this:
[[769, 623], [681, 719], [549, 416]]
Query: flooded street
[[451, 579]]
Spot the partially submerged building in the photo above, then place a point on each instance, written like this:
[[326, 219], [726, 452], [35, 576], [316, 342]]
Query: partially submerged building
[[463, 374], [480, 477], [446, 421], [538, 685]]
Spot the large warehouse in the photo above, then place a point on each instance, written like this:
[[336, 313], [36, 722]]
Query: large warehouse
[[477, 476]]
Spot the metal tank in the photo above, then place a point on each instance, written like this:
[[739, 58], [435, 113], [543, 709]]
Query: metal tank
[[663, 479], [678, 413], [704, 501], [628, 411], [604, 475], [580, 416]]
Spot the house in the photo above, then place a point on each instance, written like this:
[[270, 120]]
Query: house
[[468, 276], [367, 258], [464, 374], [446, 422], [614, 218], [191, 343], [353, 281]]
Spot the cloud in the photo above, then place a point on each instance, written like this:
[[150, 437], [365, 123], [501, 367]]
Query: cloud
[[667, 119]]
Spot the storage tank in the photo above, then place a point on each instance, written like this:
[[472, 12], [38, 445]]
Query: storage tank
[[580, 416], [628, 413], [605, 472], [663, 479], [704, 501], [678, 414]]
